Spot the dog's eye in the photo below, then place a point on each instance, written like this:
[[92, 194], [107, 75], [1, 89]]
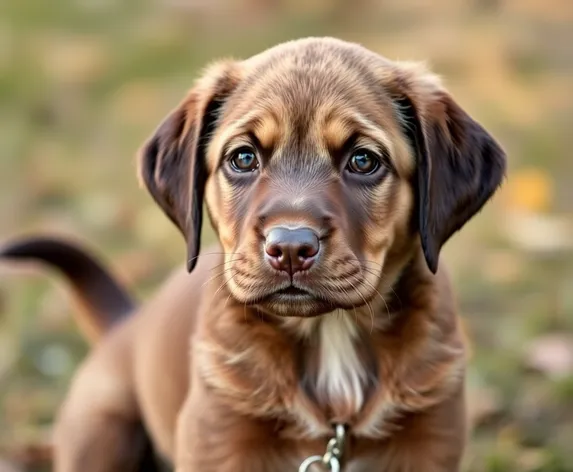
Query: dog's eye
[[363, 162], [244, 160]]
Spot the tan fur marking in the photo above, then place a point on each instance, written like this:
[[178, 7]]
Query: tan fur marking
[[268, 132]]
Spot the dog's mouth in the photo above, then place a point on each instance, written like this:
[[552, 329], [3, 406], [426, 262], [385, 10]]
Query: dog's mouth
[[290, 295], [294, 301], [292, 291], [298, 300]]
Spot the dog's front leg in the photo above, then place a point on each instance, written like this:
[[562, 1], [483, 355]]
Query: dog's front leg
[[213, 438], [431, 441]]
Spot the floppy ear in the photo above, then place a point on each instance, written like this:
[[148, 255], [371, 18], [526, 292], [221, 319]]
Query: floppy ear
[[459, 164], [172, 162]]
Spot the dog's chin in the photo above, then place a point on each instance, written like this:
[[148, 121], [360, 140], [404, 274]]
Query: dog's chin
[[298, 306]]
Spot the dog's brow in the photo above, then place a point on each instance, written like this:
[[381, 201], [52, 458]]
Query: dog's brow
[[240, 126], [336, 133], [374, 131], [267, 131], [339, 129]]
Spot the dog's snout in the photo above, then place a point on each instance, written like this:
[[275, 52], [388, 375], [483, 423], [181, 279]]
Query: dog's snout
[[291, 250]]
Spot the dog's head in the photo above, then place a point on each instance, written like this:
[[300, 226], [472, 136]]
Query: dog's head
[[323, 167]]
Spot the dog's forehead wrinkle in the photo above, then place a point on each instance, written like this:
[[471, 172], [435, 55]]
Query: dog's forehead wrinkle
[[312, 180], [301, 169]]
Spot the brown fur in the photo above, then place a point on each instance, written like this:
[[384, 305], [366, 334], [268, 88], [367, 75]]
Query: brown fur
[[230, 376]]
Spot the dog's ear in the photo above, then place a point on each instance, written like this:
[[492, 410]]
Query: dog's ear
[[171, 163], [459, 164]]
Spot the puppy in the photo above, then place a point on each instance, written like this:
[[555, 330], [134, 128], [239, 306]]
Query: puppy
[[332, 177]]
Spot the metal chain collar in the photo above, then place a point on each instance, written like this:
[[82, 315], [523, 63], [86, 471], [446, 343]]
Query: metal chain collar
[[333, 455]]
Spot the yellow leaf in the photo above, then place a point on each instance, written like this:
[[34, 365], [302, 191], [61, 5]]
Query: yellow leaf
[[529, 190], [508, 437]]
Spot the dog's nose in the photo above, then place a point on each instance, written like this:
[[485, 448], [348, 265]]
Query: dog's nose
[[291, 250]]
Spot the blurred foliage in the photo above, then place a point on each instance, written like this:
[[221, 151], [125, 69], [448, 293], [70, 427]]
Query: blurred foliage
[[84, 82]]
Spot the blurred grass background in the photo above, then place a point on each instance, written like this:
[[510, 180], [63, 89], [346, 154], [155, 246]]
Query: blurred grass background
[[84, 82]]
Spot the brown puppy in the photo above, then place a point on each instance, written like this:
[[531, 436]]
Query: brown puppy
[[332, 177]]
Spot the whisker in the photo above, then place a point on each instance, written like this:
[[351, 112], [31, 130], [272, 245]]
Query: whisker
[[225, 282], [224, 271], [369, 308], [227, 300], [371, 272], [216, 254], [230, 293], [223, 263], [365, 280], [380, 295], [343, 289], [381, 274], [368, 261], [192, 259], [221, 286], [210, 279]]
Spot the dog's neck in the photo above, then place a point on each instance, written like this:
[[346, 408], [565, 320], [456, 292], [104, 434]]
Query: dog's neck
[[336, 364]]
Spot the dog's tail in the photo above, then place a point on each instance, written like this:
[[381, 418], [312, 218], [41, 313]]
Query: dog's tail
[[101, 298]]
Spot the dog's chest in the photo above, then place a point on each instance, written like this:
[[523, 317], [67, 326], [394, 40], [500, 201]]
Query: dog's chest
[[336, 373]]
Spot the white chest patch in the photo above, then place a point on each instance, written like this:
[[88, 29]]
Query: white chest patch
[[341, 374]]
